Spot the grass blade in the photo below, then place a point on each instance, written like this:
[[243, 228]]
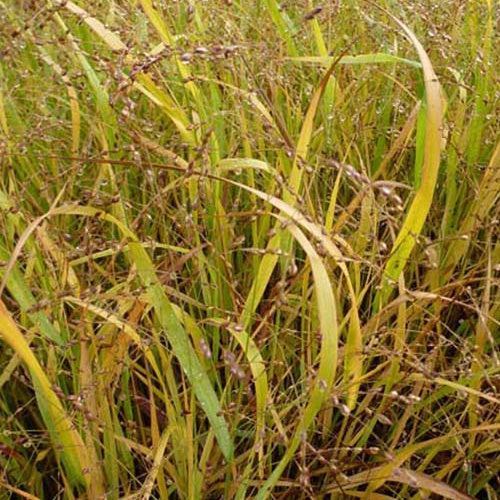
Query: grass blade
[[182, 348], [419, 209], [67, 443], [375, 58]]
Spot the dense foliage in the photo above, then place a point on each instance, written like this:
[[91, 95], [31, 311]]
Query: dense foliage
[[249, 249]]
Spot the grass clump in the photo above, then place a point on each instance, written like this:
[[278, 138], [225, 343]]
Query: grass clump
[[249, 249]]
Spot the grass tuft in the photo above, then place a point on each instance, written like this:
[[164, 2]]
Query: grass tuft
[[249, 249]]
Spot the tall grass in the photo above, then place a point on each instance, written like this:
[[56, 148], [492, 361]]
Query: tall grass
[[249, 249]]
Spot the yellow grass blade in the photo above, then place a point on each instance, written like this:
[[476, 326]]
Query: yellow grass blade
[[421, 204], [149, 483], [143, 82], [375, 58], [377, 476], [67, 443]]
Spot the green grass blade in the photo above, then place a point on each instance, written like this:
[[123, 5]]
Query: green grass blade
[[182, 348], [172, 327], [283, 23], [375, 58]]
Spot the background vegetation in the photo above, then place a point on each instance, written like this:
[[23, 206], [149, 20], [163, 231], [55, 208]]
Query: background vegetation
[[249, 249]]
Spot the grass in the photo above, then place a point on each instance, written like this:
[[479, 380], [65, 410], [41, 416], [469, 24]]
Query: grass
[[249, 250]]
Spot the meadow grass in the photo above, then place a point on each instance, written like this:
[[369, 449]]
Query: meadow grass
[[249, 249]]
